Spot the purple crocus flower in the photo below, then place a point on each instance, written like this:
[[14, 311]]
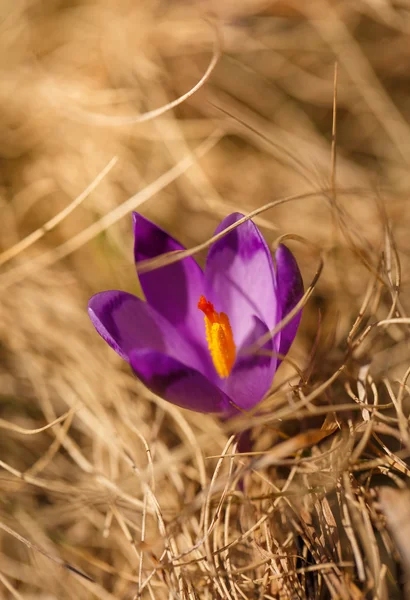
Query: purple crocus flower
[[187, 343]]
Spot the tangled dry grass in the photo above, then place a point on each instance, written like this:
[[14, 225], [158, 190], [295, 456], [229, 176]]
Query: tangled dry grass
[[107, 491]]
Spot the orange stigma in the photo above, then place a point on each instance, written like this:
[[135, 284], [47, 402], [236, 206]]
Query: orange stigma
[[219, 337]]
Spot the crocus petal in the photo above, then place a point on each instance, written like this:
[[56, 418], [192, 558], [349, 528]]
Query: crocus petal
[[173, 290], [127, 323], [290, 291], [182, 385], [240, 278], [253, 373]]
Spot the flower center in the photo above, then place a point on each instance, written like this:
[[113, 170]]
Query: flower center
[[219, 337]]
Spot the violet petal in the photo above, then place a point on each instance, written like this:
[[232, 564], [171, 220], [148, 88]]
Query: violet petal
[[127, 323], [173, 290], [290, 291], [252, 374], [240, 278], [179, 384]]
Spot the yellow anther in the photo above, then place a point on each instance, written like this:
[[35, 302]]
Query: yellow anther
[[219, 337]]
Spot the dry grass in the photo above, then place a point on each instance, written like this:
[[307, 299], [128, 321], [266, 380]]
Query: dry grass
[[107, 491]]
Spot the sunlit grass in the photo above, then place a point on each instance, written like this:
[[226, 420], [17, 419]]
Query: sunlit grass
[[187, 114]]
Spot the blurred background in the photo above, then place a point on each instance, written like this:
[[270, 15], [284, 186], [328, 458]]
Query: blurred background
[[121, 485]]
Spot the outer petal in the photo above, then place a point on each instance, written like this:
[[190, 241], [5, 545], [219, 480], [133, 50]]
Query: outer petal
[[252, 374], [240, 278], [177, 383], [127, 323], [174, 290], [290, 291]]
